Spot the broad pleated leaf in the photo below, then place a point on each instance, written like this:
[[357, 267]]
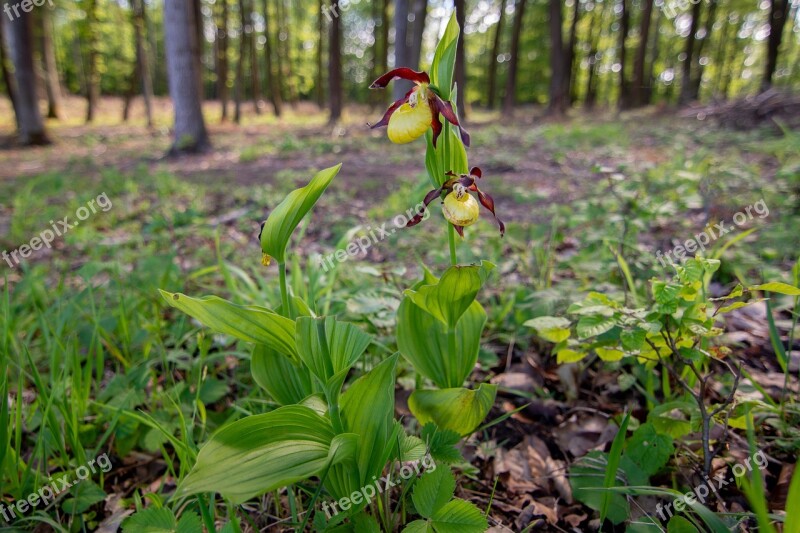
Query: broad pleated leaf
[[161, 520], [460, 410], [423, 342], [328, 347], [264, 452], [777, 287], [254, 324], [450, 298], [287, 381], [286, 216]]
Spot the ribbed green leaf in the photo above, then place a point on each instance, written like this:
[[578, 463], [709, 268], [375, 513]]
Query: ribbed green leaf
[[286, 216], [460, 410], [444, 59], [161, 520], [254, 324], [450, 298], [287, 381], [264, 452], [459, 516], [778, 287], [433, 490], [328, 347]]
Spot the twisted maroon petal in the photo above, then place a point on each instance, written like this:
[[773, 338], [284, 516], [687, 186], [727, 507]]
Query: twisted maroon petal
[[446, 109], [436, 124], [460, 230], [488, 203], [431, 196], [476, 172], [403, 73], [389, 112]]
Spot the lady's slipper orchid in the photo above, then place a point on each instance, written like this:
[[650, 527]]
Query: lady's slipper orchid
[[410, 117], [459, 207]]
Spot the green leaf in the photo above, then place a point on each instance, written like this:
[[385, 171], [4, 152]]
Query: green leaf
[[418, 526], [84, 495], [433, 491], [459, 516], [286, 216], [569, 356], [550, 328], [777, 287], [263, 452], [329, 348], [254, 324], [153, 520], [423, 342], [287, 381], [633, 340], [614, 456], [591, 326], [444, 59], [450, 298], [460, 410], [368, 411], [586, 476], [441, 444], [665, 293], [678, 524], [793, 518], [609, 354], [648, 449]]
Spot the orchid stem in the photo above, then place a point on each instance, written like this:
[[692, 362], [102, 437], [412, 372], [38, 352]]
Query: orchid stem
[[451, 233], [284, 290]]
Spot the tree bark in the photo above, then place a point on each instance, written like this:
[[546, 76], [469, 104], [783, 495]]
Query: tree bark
[[559, 94], [275, 97], [222, 59], [198, 42], [142, 53], [571, 64], [243, 48], [595, 33], [190, 129], [288, 65], [52, 84], [8, 79], [320, 81], [20, 37], [686, 81], [778, 12], [697, 79], [255, 73], [511, 80], [639, 83], [417, 31], [335, 71], [401, 51], [624, 23], [461, 61], [92, 73], [498, 35]]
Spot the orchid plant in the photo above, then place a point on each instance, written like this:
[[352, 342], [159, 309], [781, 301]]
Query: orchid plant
[[347, 436]]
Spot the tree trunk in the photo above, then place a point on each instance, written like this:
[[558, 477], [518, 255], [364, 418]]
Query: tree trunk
[[255, 70], [417, 31], [778, 12], [288, 75], [511, 80], [335, 67], [198, 44], [498, 35], [142, 59], [51, 80], [654, 54], [461, 61], [401, 51], [595, 33], [273, 81], [686, 81], [559, 90], [639, 83], [243, 48], [571, 65], [320, 81], [92, 73], [697, 80], [222, 59], [624, 23], [190, 129], [8, 79], [29, 119]]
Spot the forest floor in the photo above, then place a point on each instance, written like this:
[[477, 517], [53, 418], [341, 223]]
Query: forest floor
[[571, 191]]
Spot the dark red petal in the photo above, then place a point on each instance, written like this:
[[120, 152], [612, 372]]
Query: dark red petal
[[436, 124], [403, 73], [431, 196], [476, 172], [389, 112], [488, 202], [468, 182], [460, 230], [446, 109]]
